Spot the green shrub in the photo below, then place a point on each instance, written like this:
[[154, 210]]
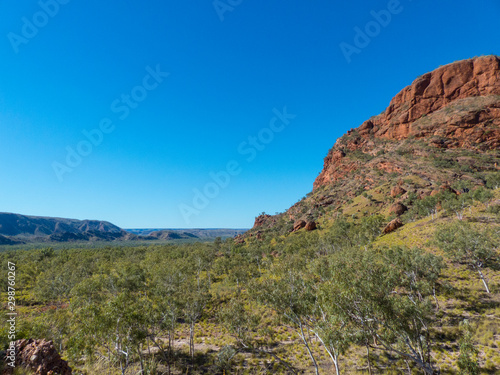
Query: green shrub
[[493, 180], [494, 209], [481, 194], [468, 361]]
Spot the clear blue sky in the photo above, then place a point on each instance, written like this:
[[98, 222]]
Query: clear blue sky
[[228, 70]]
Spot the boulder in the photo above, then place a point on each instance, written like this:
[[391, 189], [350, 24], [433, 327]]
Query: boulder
[[393, 225], [397, 190], [398, 209], [311, 225], [299, 225], [39, 356]]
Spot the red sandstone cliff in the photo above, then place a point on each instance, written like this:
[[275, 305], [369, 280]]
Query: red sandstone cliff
[[457, 105], [443, 128]]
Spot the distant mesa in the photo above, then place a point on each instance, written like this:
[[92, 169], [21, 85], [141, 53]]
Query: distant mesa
[[196, 233], [171, 235]]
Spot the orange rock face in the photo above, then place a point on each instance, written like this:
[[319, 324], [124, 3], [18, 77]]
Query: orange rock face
[[465, 127], [432, 91]]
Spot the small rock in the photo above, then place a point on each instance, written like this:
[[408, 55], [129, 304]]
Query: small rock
[[398, 209], [447, 187], [393, 225], [435, 192], [397, 190], [39, 356]]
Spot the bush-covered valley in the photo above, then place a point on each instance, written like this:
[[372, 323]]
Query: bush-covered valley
[[341, 298]]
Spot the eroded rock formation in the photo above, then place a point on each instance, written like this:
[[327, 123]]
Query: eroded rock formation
[[424, 110], [39, 356]]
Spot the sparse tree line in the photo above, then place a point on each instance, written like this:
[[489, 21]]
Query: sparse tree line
[[122, 305]]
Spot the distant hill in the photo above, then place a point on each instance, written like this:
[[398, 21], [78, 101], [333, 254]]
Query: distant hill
[[16, 229], [8, 241], [189, 233]]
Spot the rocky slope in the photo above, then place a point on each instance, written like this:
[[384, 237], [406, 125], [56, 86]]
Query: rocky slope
[[442, 130]]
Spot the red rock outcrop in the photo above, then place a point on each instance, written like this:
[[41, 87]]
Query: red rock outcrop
[[299, 225], [39, 356], [260, 220], [445, 126], [334, 157], [466, 126], [393, 225], [311, 225], [434, 90], [397, 190], [398, 209], [240, 239]]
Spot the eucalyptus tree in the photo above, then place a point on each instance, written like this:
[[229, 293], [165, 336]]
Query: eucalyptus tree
[[288, 291], [194, 300], [335, 332], [467, 244], [384, 301], [166, 285], [346, 233], [243, 320], [468, 360], [109, 315]]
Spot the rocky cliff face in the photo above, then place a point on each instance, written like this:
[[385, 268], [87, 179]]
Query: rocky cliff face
[[464, 99], [443, 128], [433, 91]]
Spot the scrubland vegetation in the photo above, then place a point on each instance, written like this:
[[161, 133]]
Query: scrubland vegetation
[[342, 299]]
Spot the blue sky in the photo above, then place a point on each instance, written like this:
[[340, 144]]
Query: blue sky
[[270, 70]]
